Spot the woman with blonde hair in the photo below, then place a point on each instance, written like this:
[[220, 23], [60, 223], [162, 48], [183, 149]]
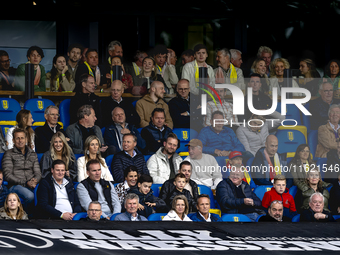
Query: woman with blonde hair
[[259, 67], [277, 67], [91, 150], [179, 210], [59, 149], [24, 121], [311, 76], [13, 209]]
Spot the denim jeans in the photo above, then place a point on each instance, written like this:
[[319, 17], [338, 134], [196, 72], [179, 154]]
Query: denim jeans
[[26, 194], [252, 216]]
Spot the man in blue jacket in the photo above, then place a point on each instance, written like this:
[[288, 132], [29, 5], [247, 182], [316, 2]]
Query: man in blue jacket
[[57, 198], [236, 197], [217, 139], [203, 207]]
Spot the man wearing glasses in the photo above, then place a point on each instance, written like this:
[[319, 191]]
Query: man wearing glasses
[[275, 213], [319, 107], [6, 72], [94, 212], [44, 133]]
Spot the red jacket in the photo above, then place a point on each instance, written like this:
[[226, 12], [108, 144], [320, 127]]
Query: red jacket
[[286, 198]]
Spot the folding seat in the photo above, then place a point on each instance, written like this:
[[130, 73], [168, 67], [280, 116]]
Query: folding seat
[[81, 215], [108, 161], [64, 110], [261, 189], [296, 218], [235, 218], [156, 187], [37, 107], [289, 140], [313, 141], [156, 217], [183, 135], [9, 109]]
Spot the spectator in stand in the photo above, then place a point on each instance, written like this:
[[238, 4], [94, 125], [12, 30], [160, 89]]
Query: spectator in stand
[[94, 188], [57, 198], [301, 164], [266, 54], [319, 108], [86, 97], [236, 58], [259, 67], [313, 183], [136, 67], [148, 203], [168, 186], [328, 134], [91, 149], [24, 121], [156, 132], [83, 128], [113, 134], [91, 67], [192, 69], [125, 77], [44, 134], [59, 149], [164, 164], [316, 211], [206, 170], [115, 100], [13, 209], [94, 212], [217, 139], [149, 102], [131, 206], [3, 190], [34, 55], [333, 165], [226, 108], [131, 178], [332, 74], [115, 48], [74, 53], [280, 193], [7, 72], [21, 168], [277, 68], [60, 78], [226, 72], [129, 156], [186, 57], [165, 68], [275, 213], [179, 211], [311, 76], [268, 163], [203, 214], [236, 196], [179, 106], [148, 75]]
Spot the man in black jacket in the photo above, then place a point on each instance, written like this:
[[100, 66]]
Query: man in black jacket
[[315, 212], [57, 198], [168, 186], [44, 134]]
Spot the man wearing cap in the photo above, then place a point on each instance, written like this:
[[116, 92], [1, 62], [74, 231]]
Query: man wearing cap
[[191, 71], [205, 169]]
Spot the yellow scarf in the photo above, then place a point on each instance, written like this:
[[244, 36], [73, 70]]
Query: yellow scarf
[[95, 76], [136, 68], [233, 73]]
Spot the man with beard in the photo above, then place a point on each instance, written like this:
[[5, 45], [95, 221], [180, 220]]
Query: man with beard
[[6, 72], [275, 213], [163, 165], [149, 102], [74, 54]]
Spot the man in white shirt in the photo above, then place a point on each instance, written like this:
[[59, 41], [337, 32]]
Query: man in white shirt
[[57, 197]]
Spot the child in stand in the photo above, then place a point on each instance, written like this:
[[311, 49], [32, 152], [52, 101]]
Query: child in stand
[[180, 182], [281, 193], [146, 198]]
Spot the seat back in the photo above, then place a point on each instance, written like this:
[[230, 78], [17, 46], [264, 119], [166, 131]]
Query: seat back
[[306, 119], [235, 218], [64, 110], [313, 141], [37, 108], [9, 109], [183, 135], [260, 190], [108, 161], [81, 215], [113, 216], [156, 189], [156, 217], [289, 140], [296, 218]]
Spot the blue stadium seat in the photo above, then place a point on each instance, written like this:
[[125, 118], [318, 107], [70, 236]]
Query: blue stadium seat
[[75, 185], [202, 189], [113, 216], [37, 108], [156, 189], [1, 156], [235, 218], [293, 190], [146, 157], [322, 162], [35, 191], [139, 130], [81, 215], [313, 141], [134, 103], [156, 217], [261, 189], [4, 128], [292, 112], [289, 140], [108, 161], [257, 219], [250, 161], [64, 110], [183, 135], [193, 133], [39, 156], [336, 217], [222, 162], [78, 155], [296, 218], [306, 119], [9, 109]]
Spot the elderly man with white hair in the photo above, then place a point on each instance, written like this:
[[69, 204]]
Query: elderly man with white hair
[[315, 212]]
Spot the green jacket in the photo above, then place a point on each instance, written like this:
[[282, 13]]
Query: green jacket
[[19, 79]]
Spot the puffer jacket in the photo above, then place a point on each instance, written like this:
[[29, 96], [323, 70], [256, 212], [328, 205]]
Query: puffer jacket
[[4, 216], [18, 169], [159, 166]]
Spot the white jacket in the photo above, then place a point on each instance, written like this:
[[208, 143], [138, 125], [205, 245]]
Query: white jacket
[[82, 173], [172, 216], [159, 166]]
